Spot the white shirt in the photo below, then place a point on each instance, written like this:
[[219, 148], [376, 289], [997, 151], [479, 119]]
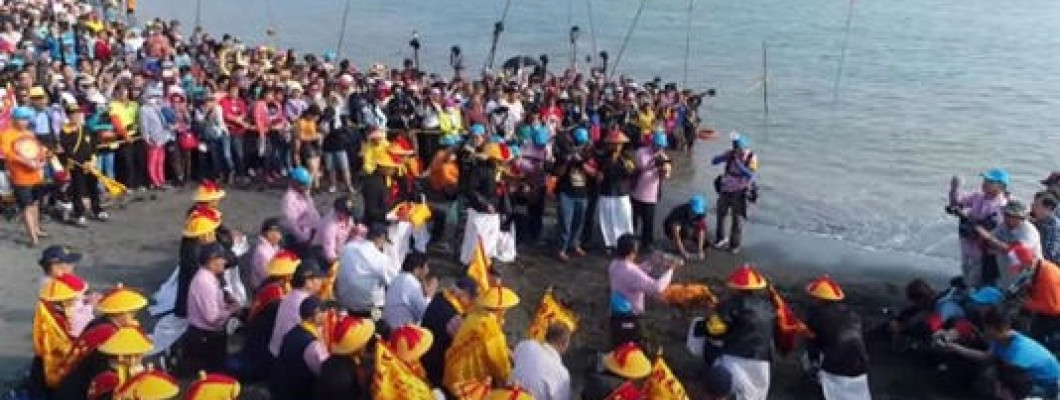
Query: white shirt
[[364, 273], [405, 302], [539, 369]]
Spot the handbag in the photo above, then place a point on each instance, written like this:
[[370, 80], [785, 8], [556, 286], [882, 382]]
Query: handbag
[[187, 141]]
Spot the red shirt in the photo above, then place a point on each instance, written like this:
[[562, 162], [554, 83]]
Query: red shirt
[[234, 108], [102, 50]]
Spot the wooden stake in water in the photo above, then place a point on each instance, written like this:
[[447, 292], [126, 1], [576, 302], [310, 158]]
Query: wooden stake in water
[[765, 82], [842, 52]]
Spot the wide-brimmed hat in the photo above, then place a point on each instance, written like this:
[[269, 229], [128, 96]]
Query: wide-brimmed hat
[[498, 298], [37, 91], [410, 342], [151, 384], [213, 387], [284, 263], [121, 299], [628, 361], [127, 341], [1015, 208], [824, 288], [746, 278], [497, 152], [351, 334], [199, 224], [208, 191], [63, 288]]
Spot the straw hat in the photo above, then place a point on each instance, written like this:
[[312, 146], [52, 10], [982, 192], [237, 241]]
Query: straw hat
[[200, 224], [498, 297], [628, 361], [824, 288], [151, 384], [284, 263], [121, 300], [63, 288], [208, 191], [497, 152], [351, 334], [514, 393], [616, 136], [213, 387], [127, 341], [37, 91], [746, 278], [410, 342]]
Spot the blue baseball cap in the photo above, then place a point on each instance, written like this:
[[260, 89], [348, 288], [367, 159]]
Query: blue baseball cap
[[301, 176], [478, 129], [58, 254], [581, 136], [698, 204], [541, 137], [659, 139], [449, 140], [22, 113], [742, 141], [516, 150], [329, 56], [996, 175], [987, 296]]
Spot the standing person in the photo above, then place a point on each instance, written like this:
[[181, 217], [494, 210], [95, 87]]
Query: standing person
[[443, 316], [380, 190], [302, 352], [200, 231], [480, 349], [24, 155], [307, 143], [688, 222], [837, 350], [124, 114], [982, 208], [234, 115], [736, 190], [1039, 279], [206, 340], [410, 292], [630, 284], [216, 138], [100, 126], [308, 278], [79, 147], [746, 323], [337, 138], [613, 207], [653, 166], [300, 213], [1014, 228], [365, 271], [623, 367], [1046, 220], [573, 173], [157, 132], [344, 375], [539, 365], [535, 158]]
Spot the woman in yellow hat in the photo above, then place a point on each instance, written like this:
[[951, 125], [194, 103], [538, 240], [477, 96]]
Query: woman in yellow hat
[[837, 350], [616, 168], [409, 343], [345, 374], [479, 348], [125, 349], [61, 315], [255, 357], [381, 191], [746, 323], [200, 230], [213, 387], [623, 367], [118, 308]]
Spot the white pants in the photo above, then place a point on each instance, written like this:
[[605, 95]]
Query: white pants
[[750, 378], [836, 387], [616, 218]]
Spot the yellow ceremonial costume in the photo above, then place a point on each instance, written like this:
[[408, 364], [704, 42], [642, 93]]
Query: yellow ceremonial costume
[[480, 349], [52, 338], [409, 343]]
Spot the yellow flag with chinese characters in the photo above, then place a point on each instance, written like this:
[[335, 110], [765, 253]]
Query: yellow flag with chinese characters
[[479, 267], [551, 311], [662, 384], [393, 380]]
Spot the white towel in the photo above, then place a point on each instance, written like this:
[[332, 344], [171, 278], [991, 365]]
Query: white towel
[[616, 218], [750, 378], [836, 387]]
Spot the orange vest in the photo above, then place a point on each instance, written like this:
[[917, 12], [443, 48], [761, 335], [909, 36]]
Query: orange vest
[[1044, 295]]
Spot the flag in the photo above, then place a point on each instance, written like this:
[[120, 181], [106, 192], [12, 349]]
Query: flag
[[662, 384], [789, 326], [550, 311], [473, 390], [392, 379], [479, 266], [7, 105]]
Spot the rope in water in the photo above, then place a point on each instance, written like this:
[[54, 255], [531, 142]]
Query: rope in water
[[688, 43], [342, 30], [843, 52], [629, 34]]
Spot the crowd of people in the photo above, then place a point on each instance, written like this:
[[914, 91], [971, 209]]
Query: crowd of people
[[95, 106]]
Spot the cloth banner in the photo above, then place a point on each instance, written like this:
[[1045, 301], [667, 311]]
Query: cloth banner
[[497, 244]]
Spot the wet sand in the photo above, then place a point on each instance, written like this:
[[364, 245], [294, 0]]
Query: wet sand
[[138, 247]]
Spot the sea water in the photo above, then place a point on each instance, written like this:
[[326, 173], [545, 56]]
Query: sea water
[[929, 88]]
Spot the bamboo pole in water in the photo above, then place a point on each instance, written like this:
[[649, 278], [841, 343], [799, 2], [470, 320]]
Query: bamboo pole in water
[[629, 34], [342, 30], [688, 43], [842, 52], [765, 82]]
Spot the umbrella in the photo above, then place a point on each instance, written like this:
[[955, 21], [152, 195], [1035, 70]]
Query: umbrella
[[519, 62]]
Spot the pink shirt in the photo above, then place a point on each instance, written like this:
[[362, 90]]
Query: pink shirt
[[80, 316], [259, 263], [207, 309], [979, 208], [630, 280], [332, 234], [300, 214], [286, 318], [647, 187], [314, 355]]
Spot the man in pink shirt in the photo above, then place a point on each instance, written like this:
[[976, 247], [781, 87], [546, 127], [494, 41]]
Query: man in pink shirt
[[299, 212], [206, 340], [653, 165], [306, 282], [630, 283], [334, 230], [267, 247]]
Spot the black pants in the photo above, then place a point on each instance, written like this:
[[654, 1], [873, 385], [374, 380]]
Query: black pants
[[732, 205], [590, 226], [204, 350], [625, 328], [83, 184], [644, 217], [131, 164], [174, 163]]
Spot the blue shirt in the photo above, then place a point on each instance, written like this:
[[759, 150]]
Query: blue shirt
[[1030, 356], [1049, 231]]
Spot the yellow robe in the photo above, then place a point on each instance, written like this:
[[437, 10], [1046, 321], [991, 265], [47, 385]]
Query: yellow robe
[[373, 153], [479, 350], [51, 341]]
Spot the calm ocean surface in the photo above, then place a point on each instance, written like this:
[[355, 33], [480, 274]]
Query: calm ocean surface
[[931, 87]]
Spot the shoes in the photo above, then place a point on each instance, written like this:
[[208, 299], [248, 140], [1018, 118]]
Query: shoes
[[579, 252], [721, 244], [562, 256], [331, 189], [80, 221], [102, 216]]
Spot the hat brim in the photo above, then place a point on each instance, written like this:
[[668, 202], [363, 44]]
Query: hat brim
[[757, 286], [218, 195], [635, 368]]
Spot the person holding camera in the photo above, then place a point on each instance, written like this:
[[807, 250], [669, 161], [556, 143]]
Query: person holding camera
[[653, 166], [736, 189], [978, 209]]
